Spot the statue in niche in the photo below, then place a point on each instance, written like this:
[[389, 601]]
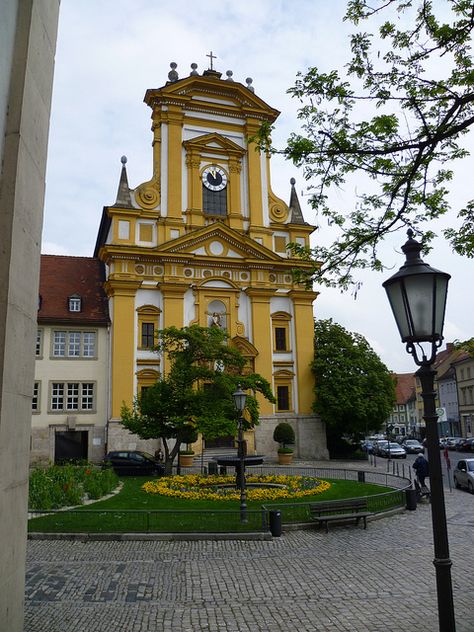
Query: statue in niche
[[216, 319]]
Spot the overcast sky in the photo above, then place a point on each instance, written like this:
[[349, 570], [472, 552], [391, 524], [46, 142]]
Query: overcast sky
[[110, 51]]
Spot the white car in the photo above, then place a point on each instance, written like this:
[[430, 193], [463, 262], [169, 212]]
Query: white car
[[464, 474]]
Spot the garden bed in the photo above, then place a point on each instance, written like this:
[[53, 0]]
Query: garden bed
[[133, 510]]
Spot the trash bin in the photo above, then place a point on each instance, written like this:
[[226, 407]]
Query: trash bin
[[212, 467], [411, 499], [361, 477], [275, 523]]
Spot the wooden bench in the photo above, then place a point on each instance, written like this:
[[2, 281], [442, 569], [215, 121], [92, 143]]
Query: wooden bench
[[340, 510]]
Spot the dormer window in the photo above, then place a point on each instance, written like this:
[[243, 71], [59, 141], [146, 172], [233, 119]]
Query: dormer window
[[74, 303]]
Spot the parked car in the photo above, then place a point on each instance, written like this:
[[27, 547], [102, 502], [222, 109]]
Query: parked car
[[464, 474], [367, 446], [134, 463], [452, 442], [412, 446], [453, 445], [393, 450], [378, 445], [465, 445], [445, 441]]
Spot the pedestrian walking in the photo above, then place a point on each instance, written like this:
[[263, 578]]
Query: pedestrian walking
[[421, 468]]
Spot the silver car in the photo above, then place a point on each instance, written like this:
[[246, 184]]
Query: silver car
[[393, 450], [464, 474]]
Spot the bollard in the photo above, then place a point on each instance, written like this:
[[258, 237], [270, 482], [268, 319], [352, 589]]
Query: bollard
[[410, 495], [361, 477], [275, 522]]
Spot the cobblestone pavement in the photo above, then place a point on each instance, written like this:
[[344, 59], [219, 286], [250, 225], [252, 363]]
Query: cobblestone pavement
[[377, 580]]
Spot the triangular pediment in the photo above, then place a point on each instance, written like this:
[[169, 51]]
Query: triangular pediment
[[218, 240], [209, 91], [214, 142]]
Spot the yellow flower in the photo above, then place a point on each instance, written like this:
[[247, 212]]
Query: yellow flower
[[221, 488]]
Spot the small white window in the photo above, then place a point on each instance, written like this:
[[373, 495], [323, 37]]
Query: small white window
[[74, 303]]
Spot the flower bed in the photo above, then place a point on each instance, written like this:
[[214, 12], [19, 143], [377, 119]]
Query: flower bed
[[222, 488], [67, 485]]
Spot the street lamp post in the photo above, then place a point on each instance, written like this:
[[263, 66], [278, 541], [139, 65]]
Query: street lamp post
[[417, 295], [239, 401]]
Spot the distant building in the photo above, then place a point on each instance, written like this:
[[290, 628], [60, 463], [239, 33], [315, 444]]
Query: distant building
[[464, 368], [402, 416]]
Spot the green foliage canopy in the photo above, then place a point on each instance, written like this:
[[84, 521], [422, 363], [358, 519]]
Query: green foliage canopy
[[355, 391], [196, 391], [398, 113]]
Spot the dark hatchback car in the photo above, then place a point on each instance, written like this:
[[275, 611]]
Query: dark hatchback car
[[134, 463]]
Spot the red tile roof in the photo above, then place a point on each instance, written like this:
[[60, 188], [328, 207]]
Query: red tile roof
[[405, 387], [62, 277]]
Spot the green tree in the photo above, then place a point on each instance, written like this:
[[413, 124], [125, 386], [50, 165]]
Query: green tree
[[355, 391], [397, 112], [197, 390]]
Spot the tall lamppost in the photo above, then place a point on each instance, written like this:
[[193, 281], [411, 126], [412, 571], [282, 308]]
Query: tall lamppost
[[417, 295], [239, 401]]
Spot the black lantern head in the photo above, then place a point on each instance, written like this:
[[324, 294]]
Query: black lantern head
[[417, 295], [239, 399]]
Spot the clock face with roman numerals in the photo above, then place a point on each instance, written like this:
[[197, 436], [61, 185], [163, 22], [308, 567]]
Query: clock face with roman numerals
[[214, 178]]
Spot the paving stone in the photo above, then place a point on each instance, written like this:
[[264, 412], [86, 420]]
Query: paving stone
[[377, 580]]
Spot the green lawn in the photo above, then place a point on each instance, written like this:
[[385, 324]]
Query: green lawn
[[135, 511]]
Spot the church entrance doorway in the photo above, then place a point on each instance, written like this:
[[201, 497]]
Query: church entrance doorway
[[70, 445], [220, 442]]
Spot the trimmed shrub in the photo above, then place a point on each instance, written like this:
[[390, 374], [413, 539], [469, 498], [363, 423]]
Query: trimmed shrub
[[284, 434]]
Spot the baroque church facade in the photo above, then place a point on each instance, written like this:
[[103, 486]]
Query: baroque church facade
[[204, 241]]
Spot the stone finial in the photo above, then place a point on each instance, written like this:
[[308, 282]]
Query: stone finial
[[229, 74], [249, 82], [173, 75], [123, 160], [193, 69]]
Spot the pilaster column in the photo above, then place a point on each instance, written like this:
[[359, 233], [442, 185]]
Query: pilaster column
[[254, 177], [235, 199], [174, 118], [173, 309], [194, 213], [262, 337], [304, 347], [123, 343]]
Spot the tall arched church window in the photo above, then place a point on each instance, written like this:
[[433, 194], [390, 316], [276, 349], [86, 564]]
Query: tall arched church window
[[281, 332], [214, 191], [148, 319]]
